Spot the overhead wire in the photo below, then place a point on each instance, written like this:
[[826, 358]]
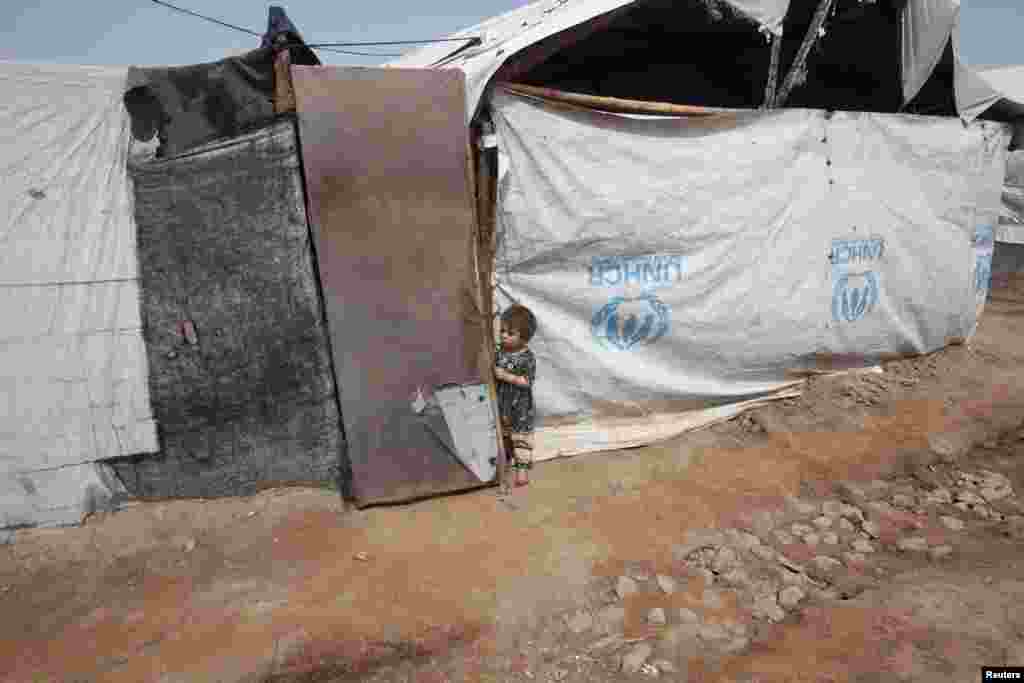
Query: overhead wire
[[328, 47]]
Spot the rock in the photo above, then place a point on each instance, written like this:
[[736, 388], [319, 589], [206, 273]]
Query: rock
[[725, 559], [792, 578], [790, 564], [852, 490], [878, 485], [707, 575], [952, 523], [625, 586], [800, 506], [994, 493], [825, 594], [831, 538], [712, 632], [767, 607], [855, 558], [665, 666], [903, 500], [610, 619], [737, 644], [657, 617], [580, 621], [846, 525], [822, 522], [606, 643], [742, 539], [688, 616], [735, 627], [635, 658], [969, 497], [872, 529], [801, 529], [939, 496], [712, 599], [941, 551], [559, 674], [640, 575], [791, 596], [763, 552], [190, 545], [948, 447], [666, 583], [812, 539], [784, 537], [696, 539], [736, 577], [832, 508], [852, 512], [362, 557], [914, 543], [862, 546], [826, 563]]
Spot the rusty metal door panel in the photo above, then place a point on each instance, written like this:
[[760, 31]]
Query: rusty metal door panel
[[385, 157]]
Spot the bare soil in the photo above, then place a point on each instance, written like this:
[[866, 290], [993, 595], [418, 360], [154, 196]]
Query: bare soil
[[289, 585]]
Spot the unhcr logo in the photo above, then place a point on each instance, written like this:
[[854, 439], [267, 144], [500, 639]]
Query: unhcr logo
[[984, 245], [855, 293], [627, 323], [651, 270]]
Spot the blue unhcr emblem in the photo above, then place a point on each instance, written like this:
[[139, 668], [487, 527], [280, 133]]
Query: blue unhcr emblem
[[854, 295], [984, 243], [624, 323], [982, 273]]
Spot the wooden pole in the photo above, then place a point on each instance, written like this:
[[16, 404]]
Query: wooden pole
[[284, 94], [801, 55], [610, 104], [773, 73]]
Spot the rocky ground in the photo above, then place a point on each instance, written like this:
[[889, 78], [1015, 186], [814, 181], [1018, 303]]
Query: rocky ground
[[870, 530]]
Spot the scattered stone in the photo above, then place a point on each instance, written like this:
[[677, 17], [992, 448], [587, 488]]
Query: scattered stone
[[824, 594], [688, 616], [657, 617], [826, 563], [707, 575], [742, 539], [791, 596], [994, 493], [611, 618], [831, 538], [989, 580], [792, 578], [872, 529], [580, 621], [878, 485], [832, 508], [736, 577], [665, 666], [635, 658], [650, 670], [608, 642], [736, 628], [801, 529], [903, 500], [790, 564], [362, 557], [666, 583], [784, 537], [941, 551], [763, 552], [969, 497], [822, 522], [939, 496], [190, 545], [855, 558], [712, 599], [880, 507], [914, 543], [852, 490], [846, 525], [952, 523], [625, 586], [800, 506], [725, 559], [559, 674], [697, 539], [737, 644], [852, 512], [767, 607], [640, 575], [812, 539], [862, 546], [713, 632]]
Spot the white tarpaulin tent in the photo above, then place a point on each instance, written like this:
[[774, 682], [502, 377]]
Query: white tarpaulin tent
[[679, 264], [73, 362]]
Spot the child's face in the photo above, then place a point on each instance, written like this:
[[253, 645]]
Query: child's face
[[511, 340]]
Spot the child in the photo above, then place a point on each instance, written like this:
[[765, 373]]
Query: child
[[516, 371]]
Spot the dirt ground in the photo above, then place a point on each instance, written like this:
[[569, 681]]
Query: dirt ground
[[871, 530]]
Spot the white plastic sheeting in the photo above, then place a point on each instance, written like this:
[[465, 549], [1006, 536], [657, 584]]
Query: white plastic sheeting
[[681, 266], [1011, 222], [505, 35], [927, 26], [72, 359]]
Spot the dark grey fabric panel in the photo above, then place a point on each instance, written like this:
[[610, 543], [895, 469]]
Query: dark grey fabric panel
[[240, 376]]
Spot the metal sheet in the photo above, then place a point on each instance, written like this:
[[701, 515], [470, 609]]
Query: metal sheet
[[385, 155]]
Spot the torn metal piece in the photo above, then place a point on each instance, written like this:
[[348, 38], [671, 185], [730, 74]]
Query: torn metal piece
[[472, 421]]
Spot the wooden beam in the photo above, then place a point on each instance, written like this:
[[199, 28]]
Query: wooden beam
[[284, 94], [610, 104], [773, 73], [801, 55]]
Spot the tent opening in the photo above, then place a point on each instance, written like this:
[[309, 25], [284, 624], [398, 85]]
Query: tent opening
[[706, 53]]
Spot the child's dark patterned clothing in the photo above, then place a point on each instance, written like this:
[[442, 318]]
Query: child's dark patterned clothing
[[515, 403]]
